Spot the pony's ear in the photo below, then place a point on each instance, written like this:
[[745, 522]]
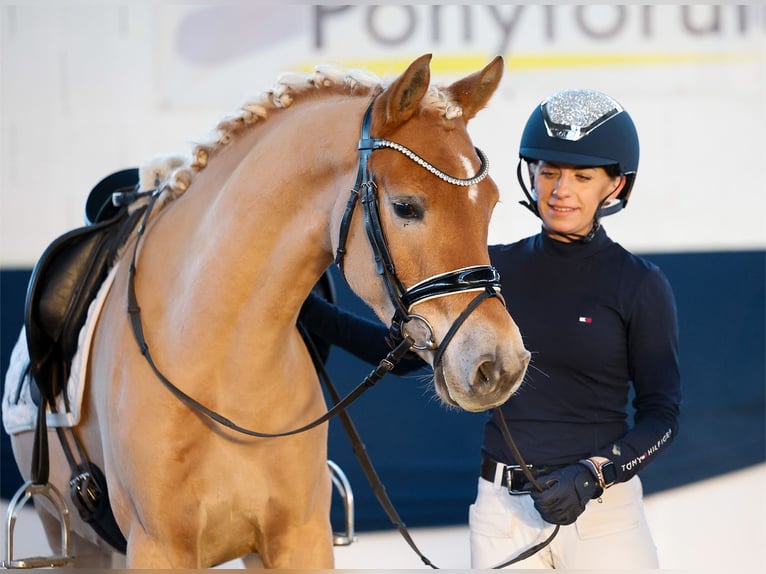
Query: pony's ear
[[402, 98], [474, 91]]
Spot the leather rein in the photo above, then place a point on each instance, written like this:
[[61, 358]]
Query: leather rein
[[483, 278]]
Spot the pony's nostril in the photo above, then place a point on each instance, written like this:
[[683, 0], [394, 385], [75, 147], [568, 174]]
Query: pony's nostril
[[490, 377], [485, 377]]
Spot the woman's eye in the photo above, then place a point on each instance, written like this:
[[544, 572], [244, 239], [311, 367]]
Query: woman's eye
[[407, 210]]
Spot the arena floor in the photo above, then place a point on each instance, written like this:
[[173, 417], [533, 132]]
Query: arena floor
[[713, 525]]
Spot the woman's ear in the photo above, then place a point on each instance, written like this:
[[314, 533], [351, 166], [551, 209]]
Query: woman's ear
[[618, 189]]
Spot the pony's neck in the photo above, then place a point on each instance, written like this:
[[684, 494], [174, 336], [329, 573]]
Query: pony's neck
[[257, 218]]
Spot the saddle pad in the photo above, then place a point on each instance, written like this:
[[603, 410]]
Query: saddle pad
[[19, 411]]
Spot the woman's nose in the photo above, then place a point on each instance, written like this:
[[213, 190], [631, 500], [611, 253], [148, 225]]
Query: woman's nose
[[561, 186], [560, 189]]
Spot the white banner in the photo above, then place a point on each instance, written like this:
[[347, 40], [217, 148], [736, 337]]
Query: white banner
[[88, 89]]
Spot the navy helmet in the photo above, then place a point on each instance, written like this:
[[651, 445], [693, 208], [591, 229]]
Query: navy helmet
[[585, 128]]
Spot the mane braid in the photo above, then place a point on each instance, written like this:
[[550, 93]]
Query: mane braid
[[289, 87]]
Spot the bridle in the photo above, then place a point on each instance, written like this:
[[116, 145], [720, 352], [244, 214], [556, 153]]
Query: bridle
[[483, 278]]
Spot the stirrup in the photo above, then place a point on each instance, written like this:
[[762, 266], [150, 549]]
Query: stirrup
[[343, 487], [23, 494]]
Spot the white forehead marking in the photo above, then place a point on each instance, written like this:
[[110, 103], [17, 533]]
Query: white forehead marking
[[473, 190]]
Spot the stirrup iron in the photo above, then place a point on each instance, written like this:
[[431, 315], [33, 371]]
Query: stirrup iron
[[28, 490], [343, 486]]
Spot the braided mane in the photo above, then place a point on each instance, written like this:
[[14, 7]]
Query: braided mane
[[175, 172]]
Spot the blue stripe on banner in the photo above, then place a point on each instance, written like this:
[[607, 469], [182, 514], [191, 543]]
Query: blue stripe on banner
[[428, 457]]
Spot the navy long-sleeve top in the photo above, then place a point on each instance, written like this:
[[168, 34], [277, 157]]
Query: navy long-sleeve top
[[597, 319]]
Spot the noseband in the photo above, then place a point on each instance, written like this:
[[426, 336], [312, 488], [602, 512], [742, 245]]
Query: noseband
[[483, 278]]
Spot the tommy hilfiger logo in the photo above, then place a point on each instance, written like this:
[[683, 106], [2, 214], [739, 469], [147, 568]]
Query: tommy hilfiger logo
[[586, 319]]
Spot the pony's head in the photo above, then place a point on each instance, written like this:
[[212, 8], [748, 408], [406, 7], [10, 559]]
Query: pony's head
[[427, 201], [411, 238]]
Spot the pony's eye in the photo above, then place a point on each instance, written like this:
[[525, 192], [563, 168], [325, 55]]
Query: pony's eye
[[407, 210]]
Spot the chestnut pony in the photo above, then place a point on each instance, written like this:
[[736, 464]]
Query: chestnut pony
[[235, 242]]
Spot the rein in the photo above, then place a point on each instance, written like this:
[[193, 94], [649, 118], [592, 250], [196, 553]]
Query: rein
[[379, 490], [482, 278], [134, 311]]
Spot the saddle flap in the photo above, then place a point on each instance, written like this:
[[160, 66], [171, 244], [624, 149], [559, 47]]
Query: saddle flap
[[64, 282], [56, 280]]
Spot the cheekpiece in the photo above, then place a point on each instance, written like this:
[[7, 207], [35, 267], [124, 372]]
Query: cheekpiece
[[573, 114]]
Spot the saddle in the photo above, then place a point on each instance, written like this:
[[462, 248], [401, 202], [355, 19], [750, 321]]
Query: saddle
[[67, 278], [64, 282]]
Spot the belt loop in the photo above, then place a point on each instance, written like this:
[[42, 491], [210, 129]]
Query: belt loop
[[499, 470]]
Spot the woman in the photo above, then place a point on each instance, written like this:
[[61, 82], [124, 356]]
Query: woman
[[601, 325], [597, 320]]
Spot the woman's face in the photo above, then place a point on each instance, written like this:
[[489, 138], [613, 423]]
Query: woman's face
[[568, 196]]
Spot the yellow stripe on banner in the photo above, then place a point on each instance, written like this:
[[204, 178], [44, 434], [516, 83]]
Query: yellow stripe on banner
[[535, 61], [469, 63]]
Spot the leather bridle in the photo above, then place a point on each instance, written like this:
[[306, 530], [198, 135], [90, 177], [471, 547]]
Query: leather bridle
[[482, 278]]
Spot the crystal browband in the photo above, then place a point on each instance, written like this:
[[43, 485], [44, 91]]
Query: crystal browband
[[377, 143]]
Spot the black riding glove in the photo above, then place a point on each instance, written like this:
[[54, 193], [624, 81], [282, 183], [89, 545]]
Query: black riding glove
[[566, 492]]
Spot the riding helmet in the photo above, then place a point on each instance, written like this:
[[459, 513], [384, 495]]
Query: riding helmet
[[585, 128]]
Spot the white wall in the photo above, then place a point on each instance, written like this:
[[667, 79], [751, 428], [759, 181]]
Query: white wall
[[87, 89]]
